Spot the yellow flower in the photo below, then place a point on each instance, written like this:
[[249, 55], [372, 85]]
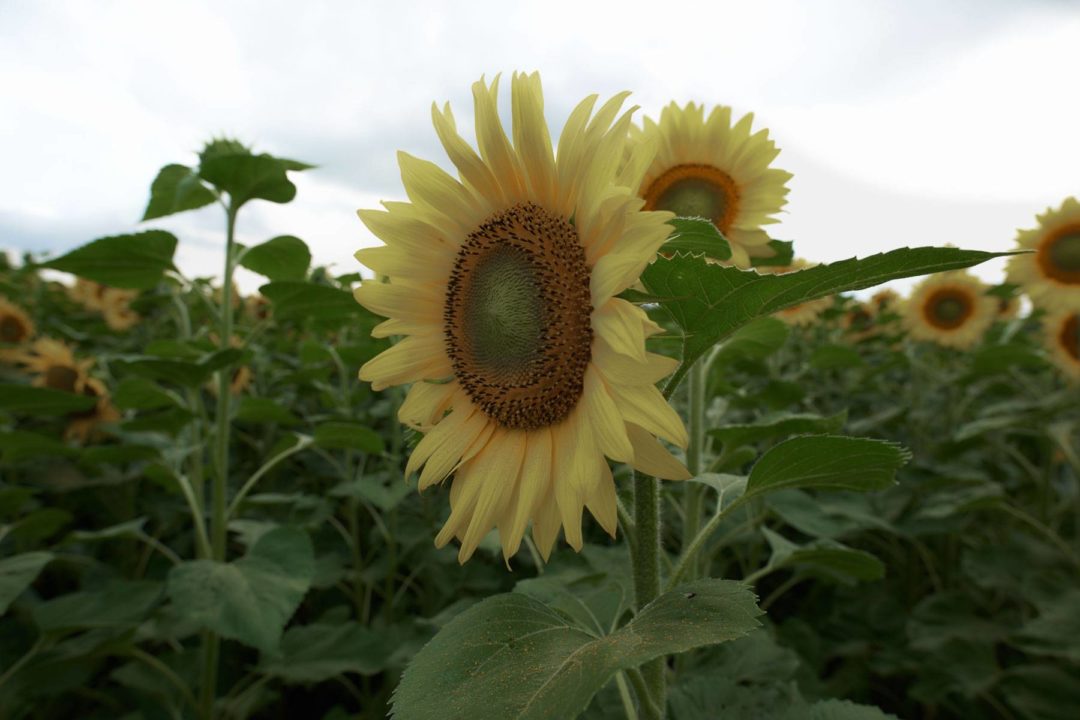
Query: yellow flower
[[85, 426], [116, 309], [1051, 275], [859, 321], [16, 328], [805, 313], [257, 307], [707, 167], [88, 293], [1061, 332], [1008, 307], [527, 370], [885, 299], [55, 366], [950, 309]]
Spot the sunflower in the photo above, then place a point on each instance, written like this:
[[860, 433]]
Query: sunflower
[[1051, 275], [86, 426], [859, 321], [950, 309], [805, 313], [116, 309], [55, 366], [1008, 307], [711, 168], [257, 307], [1061, 332], [16, 328], [241, 374], [527, 370], [87, 293], [883, 300]]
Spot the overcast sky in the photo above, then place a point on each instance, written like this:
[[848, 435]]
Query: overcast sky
[[912, 122]]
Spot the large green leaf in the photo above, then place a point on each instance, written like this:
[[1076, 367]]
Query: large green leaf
[[300, 300], [753, 341], [779, 426], [697, 236], [318, 652], [16, 574], [846, 710], [823, 558], [136, 393], [281, 258], [29, 400], [348, 436], [827, 461], [512, 657], [232, 168], [18, 445], [176, 188], [251, 599], [709, 302], [120, 603], [124, 261]]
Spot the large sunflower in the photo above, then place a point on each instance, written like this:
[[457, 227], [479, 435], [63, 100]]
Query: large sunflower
[[54, 366], [1051, 275], [950, 309], [1061, 332], [527, 370], [16, 328], [708, 167]]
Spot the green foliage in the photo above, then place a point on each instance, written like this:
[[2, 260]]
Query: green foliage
[[826, 461], [124, 261], [281, 258], [17, 572], [697, 236], [27, 400], [176, 188]]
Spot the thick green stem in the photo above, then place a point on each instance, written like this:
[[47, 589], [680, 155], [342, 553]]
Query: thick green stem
[[695, 453], [647, 576]]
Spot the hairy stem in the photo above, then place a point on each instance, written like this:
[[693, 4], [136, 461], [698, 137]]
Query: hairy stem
[[647, 576]]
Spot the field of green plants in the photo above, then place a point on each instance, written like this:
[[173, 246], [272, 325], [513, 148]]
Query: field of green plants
[[204, 511]]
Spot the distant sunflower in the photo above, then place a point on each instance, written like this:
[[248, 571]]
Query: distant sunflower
[[54, 366], [707, 167], [242, 375], [1051, 275], [116, 309], [527, 370], [885, 299], [257, 307], [859, 321], [950, 309], [1008, 307], [1061, 332], [87, 293], [86, 426], [805, 313], [16, 329]]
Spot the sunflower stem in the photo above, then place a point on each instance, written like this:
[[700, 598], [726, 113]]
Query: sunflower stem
[[647, 578], [695, 452]]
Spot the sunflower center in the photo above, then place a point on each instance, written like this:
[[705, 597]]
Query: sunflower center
[[1059, 255], [861, 320], [11, 330], [696, 191], [61, 377], [1070, 336], [948, 309], [517, 315]]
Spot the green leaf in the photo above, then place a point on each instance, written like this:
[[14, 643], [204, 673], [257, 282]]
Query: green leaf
[[120, 603], [709, 302], [232, 168], [264, 410], [16, 574], [176, 188], [827, 461], [300, 300], [319, 652], [823, 557], [754, 341], [29, 400], [136, 393], [846, 710], [780, 425], [281, 258], [129, 530], [382, 492], [835, 357], [1056, 631], [783, 255], [118, 454], [124, 261], [17, 445], [595, 601], [40, 525], [348, 436], [512, 657], [251, 599], [697, 236]]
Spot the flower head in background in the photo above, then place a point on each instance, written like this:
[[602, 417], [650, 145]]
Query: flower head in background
[[1051, 275], [950, 309], [1061, 333], [884, 300], [116, 309], [87, 426], [859, 321], [526, 369], [708, 167], [53, 365], [87, 293], [16, 329]]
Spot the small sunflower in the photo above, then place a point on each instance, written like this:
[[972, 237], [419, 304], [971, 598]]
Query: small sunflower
[[950, 309], [711, 168], [116, 309], [85, 426], [859, 321], [805, 313], [87, 293], [1051, 275], [257, 307], [1008, 307], [1061, 332], [55, 367], [883, 300], [242, 375], [526, 369], [16, 329]]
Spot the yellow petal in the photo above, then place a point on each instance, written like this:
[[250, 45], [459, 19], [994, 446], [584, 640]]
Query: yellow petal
[[546, 523], [458, 447], [624, 370], [400, 229], [400, 301], [533, 486], [604, 418], [645, 406], [651, 458], [494, 145], [620, 324], [425, 404], [531, 138], [602, 502], [413, 359], [430, 187], [499, 467], [474, 171]]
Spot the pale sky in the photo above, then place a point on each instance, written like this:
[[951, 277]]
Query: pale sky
[[915, 122]]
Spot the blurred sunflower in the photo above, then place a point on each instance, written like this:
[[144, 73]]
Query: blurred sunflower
[[950, 309], [16, 329], [116, 309], [1061, 332], [805, 313], [1008, 307], [859, 321], [242, 375], [1051, 275], [527, 370], [708, 167], [85, 426], [886, 299], [87, 293], [257, 307], [54, 366]]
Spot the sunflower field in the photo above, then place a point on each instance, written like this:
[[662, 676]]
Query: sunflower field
[[585, 437]]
